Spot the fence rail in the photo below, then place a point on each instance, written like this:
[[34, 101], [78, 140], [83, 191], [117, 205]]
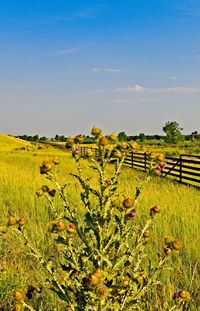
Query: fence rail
[[185, 169]]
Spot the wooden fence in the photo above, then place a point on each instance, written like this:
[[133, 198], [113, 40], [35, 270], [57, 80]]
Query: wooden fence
[[185, 169]]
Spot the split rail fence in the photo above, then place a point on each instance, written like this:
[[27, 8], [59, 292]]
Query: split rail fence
[[185, 169]]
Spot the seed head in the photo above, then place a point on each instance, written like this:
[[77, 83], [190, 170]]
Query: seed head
[[127, 203], [45, 188], [89, 153], [146, 234], [101, 290], [177, 245], [21, 220], [103, 141], [60, 226], [113, 137], [184, 294], [19, 295], [95, 279], [71, 228], [12, 220], [17, 307], [39, 192], [117, 154], [3, 229], [96, 131]]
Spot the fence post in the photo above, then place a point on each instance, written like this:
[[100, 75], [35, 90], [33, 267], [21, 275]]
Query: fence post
[[145, 161], [181, 160], [132, 159]]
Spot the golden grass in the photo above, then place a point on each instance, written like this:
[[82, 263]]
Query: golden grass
[[20, 178]]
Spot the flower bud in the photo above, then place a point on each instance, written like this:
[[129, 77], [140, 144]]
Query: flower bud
[[60, 226], [19, 295], [160, 157], [21, 220], [3, 229], [127, 203], [132, 215], [184, 294], [102, 289], [95, 279], [96, 131], [103, 141], [177, 245], [113, 137], [71, 228], [146, 234], [39, 192], [45, 188], [122, 146], [89, 153], [12, 220], [17, 307], [52, 192]]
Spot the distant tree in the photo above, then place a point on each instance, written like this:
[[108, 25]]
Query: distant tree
[[122, 136], [173, 131], [142, 137], [193, 136], [42, 138]]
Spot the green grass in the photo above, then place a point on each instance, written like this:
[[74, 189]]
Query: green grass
[[20, 178]]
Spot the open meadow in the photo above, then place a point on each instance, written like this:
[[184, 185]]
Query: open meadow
[[19, 180]]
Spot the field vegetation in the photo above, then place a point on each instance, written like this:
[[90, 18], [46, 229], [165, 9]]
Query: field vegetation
[[19, 181]]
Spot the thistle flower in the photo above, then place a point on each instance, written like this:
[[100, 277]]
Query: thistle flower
[[3, 229], [132, 215], [60, 226], [176, 295], [103, 141], [19, 295], [96, 131], [39, 192], [12, 220], [52, 192], [45, 188], [127, 203]]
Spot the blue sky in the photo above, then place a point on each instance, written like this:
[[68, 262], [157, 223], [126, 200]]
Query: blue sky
[[129, 65]]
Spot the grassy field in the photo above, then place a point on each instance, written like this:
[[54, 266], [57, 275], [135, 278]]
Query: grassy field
[[20, 178]]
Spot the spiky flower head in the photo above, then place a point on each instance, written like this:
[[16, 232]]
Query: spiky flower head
[[127, 203]]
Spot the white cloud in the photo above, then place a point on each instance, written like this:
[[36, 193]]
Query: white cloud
[[113, 71], [62, 52], [130, 89], [138, 89]]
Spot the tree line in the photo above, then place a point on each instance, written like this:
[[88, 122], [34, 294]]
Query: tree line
[[172, 131]]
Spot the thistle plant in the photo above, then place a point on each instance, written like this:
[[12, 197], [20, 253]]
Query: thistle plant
[[102, 250]]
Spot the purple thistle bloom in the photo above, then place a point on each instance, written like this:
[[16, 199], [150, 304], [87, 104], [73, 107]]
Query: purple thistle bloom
[[77, 149], [158, 168], [132, 215], [176, 295], [164, 165]]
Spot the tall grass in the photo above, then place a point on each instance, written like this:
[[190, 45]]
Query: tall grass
[[20, 178]]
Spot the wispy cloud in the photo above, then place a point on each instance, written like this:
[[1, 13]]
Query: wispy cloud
[[62, 52], [113, 71], [86, 14], [138, 89]]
